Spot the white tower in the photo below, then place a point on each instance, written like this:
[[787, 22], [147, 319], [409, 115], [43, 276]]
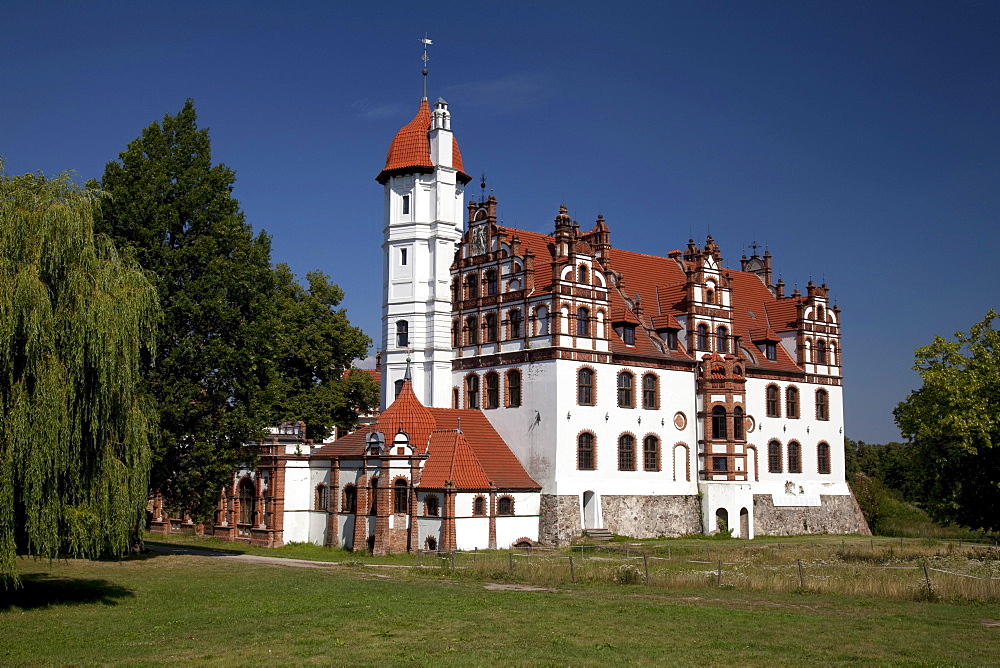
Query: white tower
[[424, 190]]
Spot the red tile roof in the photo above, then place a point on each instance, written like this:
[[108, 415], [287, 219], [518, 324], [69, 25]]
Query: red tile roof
[[409, 415], [452, 460], [499, 463], [410, 150]]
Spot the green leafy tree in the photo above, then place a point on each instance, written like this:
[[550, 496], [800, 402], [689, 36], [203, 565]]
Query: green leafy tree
[[214, 368], [76, 327], [953, 425], [316, 345]]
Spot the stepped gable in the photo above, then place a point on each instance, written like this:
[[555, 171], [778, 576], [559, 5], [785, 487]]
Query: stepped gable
[[452, 460], [499, 464], [410, 150]]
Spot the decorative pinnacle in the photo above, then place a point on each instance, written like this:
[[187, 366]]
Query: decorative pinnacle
[[407, 375], [425, 58]]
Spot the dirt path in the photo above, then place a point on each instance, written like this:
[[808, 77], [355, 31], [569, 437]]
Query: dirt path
[[243, 558]]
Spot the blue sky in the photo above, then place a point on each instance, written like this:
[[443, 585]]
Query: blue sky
[[858, 140]]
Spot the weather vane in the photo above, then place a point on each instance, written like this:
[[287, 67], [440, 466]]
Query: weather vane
[[425, 42]]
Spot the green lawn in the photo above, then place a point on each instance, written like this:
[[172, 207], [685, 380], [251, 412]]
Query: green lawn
[[170, 608]]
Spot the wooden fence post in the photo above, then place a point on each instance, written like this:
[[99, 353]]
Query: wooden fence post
[[511, 556], [719, 583], [645, 564], [802, 576], [572, 570]]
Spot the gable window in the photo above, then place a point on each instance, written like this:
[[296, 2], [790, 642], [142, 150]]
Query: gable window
[[492, 390], [479, 506], [792, 402], [581, 274], [719, 422], [585, 459], [626, 452], [822, 405], [491, 282], [821, 352], [628, 335], [402, 333], [794, 457], [722, 340], [670, 338], [738, 424], [406, 206], [833, 354], [515, 323], [650, 391], [582, 322], [472, 391], [505, 506], [491, 327], [702, 337], [651, 453], [472, 331], [823, 457], [626, 397], [471, 286], [513, 388], [709, 296], [431, 506], [773, 407], [350, 499], [774, 457], [585, 387], [771, 350], [401, 497]]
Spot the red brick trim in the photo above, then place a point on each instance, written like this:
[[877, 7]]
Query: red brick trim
[[618, 442], [777, 401], [687, 460], [656, 390], [593, 387], [593, 445], [756, 462], [618, 376], [659, 452]]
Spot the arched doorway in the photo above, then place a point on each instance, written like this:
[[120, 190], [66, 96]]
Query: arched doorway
[[722, 520], [744, 523], [590, 510]]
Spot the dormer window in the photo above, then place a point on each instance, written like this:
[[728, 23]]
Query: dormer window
[[770, 350], [669, 337], [628, 335]]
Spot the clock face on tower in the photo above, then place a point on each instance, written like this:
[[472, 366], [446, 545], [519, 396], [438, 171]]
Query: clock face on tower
[[479, 240]]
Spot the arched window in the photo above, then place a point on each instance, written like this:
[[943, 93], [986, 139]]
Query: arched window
[[792, 402], [585, 387], [247, 494], [709, 296], [650, 391], [626, 452], [794, 457], [505, 506], [472, 331], [455, 397], [515, 323], [350, 498], [513, 388], [722, 340], [541, 321], [582, 322], [773, 403], [823, 457], [833, 354], [822, 405], [322, 497], [651, 453], [492, 390], [471, 286], [431, 506], [820, 314], [774, 457], [373, 509], [719, 422], [491, 327], [402, 334], [401, 497], [821, 352], [585, 459], [702, 337], [581, 274], [472, 391], [491, 282], [738, 434], [479, 506], [455, 338], [398, 387], [626, 396]]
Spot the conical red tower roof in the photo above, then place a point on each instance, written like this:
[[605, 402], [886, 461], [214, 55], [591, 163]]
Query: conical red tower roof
[[410, 150], [407, 414]]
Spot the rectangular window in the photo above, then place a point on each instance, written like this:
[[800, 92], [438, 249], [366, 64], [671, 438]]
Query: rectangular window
[[402, 256], [771, 350], [406, 205], [719, 464]]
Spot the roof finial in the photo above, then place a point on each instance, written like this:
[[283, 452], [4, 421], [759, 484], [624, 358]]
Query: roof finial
[[407, 375], [425, 59], [459, 428]]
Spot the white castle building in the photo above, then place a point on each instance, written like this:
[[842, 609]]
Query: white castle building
[[537, 386]]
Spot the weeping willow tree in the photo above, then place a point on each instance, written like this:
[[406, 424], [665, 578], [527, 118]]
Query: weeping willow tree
[[76, 321]]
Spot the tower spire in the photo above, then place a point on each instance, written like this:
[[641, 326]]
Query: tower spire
[[425, 59]]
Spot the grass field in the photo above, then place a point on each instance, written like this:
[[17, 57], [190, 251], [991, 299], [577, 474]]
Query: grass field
[[158, 608]]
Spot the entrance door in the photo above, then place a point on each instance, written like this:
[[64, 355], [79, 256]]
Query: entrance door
[[589, 510]]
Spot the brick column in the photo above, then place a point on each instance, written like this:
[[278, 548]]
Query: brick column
[[333, 510], [493, 516], [383, 508], [359, 542], [448, 538]]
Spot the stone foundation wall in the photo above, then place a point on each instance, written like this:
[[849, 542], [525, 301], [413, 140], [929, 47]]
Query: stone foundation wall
[[559, 519], [837, 514], [651, 516]]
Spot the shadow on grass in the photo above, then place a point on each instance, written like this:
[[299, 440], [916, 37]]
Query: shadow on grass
[[155, 549], [41, 590]]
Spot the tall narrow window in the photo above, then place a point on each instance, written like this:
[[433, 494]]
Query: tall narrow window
[[774, 457], [432, 506], [582, 322], [792, 402], [709, 296], [794, 457], [651, 453], [581, 274], [246, 495], [773, 407], [492, 390], [472, 391], [479, 506], [833, 354], [515, 323], [471, 286], [626, 398], [350, 499], [702, 337], [401, 497], [628, 335], [626, 452], [491, 327], [823, 457], [722, 340], [670, 339], [585, 387], [650, 391], [771, 350], [398, 388], [514, 388], [719, 423], [373, 509], [585, 451], [491, 282], [822, 405], [472, 331], [406, 206], [738, 433], [455, 337], [402, 333], [402, 257], [821, 352]]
